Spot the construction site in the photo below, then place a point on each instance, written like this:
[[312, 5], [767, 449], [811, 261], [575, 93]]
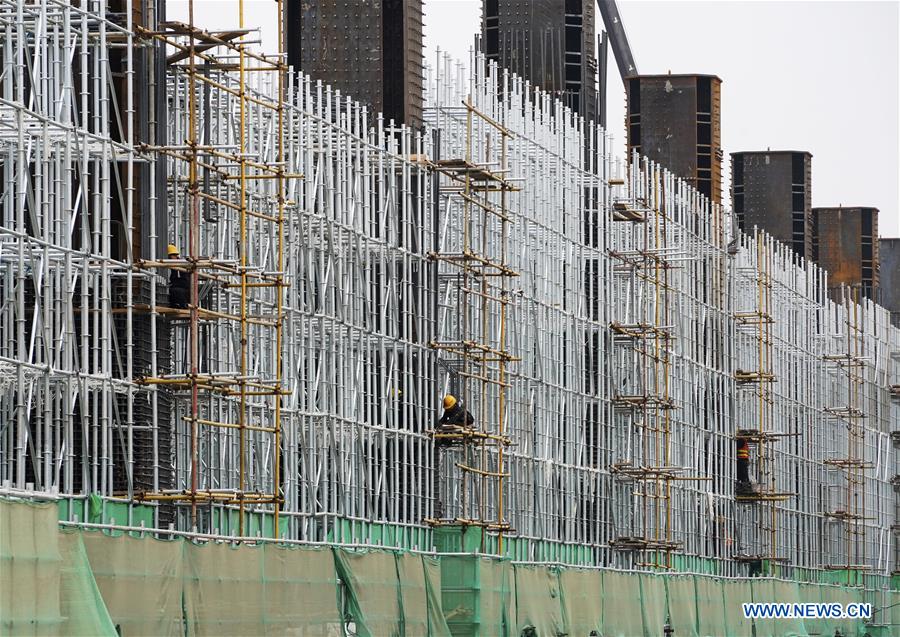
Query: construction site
[[235, 294]]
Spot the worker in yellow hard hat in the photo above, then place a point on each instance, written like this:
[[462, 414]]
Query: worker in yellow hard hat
[[179, 285], [455, 415], [744, 485]]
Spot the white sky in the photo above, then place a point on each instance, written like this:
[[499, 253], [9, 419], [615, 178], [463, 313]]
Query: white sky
[[817, 76]]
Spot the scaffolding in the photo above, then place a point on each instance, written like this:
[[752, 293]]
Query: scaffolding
[[226, 170], [642, 400], [297, 394], [756, 403], [473, 335], [848, 366]]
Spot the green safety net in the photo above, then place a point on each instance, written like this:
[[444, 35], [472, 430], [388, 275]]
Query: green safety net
[[537, 601], [476, 595], [413, 594], [140, 581], [83, 609], [301, 594], [812, 594], [711, 611], [842, 595], [223, 589], [622, 607], [154, 587], [582, 595], [372, 588], [767, 590], [682, 604], [437, 624], [653, 603], [46, 583], [734, 593], [29, 569], [891, 614], [495, 585], [56, 582], [786, 591]]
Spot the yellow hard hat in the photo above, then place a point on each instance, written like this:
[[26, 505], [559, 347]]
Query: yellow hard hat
[[449, 401], [172, 249]]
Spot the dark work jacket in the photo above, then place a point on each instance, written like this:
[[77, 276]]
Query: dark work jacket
[[456, 415], [178, 280]]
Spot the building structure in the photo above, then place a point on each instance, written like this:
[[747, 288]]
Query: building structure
[[371, 51], [549, 43], [772, 191], [675, 120], [845, 243], [889, 277]]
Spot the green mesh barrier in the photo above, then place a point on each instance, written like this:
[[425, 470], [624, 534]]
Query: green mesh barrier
[[372, 591], [413, 594], [785, 591], [695, 564], [223, 589], [495, 582], [29, 569], [81, 605], [842, 595], [300, 591], [476, 595], [95, 508], [377, 533], [812, 594], [56, 582], [763, 591], [711, 611], [681, 599], [437, 624], [538, 604], [151, 586], [653, 603], [140, 581], [735, 593], [622, 614], [71, 509], [582, 597], [891, 614]]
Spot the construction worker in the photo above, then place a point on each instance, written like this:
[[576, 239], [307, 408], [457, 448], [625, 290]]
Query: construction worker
[[179, 285], [455, 415], [743, 486]]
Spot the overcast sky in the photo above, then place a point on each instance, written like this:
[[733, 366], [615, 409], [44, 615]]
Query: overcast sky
[[816, 76]]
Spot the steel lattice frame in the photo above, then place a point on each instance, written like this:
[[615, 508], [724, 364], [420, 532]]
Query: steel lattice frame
[[363, 300]]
